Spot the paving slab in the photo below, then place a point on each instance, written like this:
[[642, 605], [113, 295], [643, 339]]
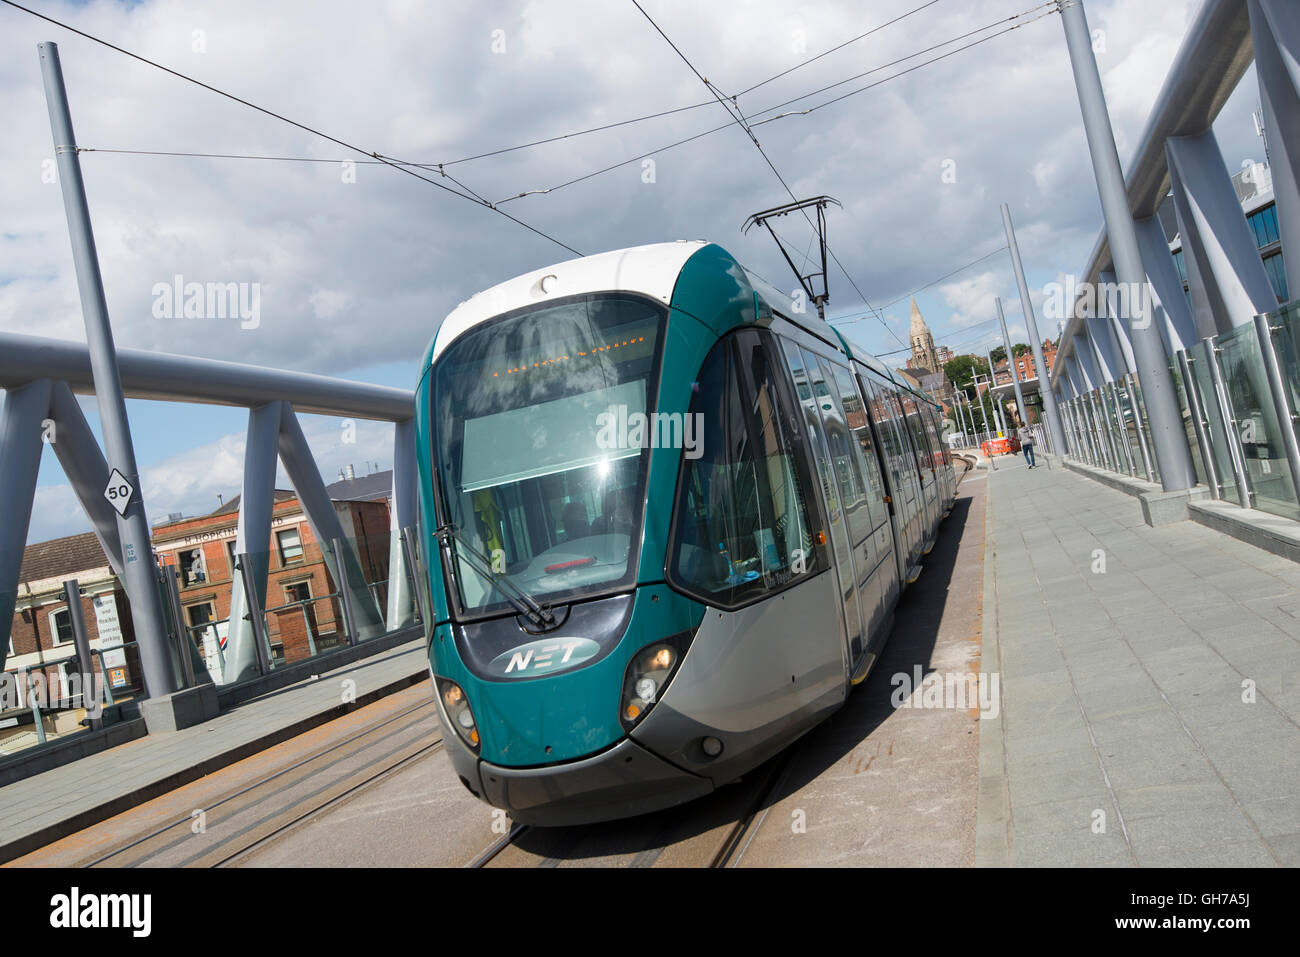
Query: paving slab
[[1150, 717]]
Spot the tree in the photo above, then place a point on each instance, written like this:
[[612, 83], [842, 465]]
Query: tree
[[1019, 349], [998, 354], [961, 370]]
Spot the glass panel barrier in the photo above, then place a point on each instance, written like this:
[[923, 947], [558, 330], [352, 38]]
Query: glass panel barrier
[[1099, 426], [1115, 422], [1215, 428], [1189, 421], [1264, 456], [1285, 326], [1142, 425]]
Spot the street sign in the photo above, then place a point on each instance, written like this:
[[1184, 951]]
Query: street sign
[[119, 492]]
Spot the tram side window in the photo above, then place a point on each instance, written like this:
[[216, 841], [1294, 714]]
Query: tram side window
[[855, 414], [936, 444], [741, 525], [884, 412], [846, 454], [916, 425]]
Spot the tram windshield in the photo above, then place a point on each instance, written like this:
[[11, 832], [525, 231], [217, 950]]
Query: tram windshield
[[540, 462]]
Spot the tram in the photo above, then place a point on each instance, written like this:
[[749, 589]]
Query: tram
[[667, 517]]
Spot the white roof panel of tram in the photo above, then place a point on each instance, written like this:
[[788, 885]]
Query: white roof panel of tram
[[650, 270]]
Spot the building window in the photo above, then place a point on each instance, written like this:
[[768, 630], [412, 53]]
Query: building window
[[290, 543], [1276, 275], [192, 567], [61, 626], [1263, 223], [230, 554], [298, 591]]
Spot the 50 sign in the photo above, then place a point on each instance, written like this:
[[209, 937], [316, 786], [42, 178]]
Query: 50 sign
[[119, 492]]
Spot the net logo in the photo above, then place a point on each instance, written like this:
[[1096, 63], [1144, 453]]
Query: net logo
[[544, 657], [74, 910]]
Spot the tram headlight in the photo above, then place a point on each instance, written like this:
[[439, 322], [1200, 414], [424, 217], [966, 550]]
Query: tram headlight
[[647, 674], [459, 716]]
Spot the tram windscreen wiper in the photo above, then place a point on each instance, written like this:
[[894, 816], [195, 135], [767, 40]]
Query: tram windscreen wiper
[[524, 603]]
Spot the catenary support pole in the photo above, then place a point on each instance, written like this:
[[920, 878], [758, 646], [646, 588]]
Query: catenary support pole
[[1050, 411], [1011, 361], [1165, 419], [133, 527]]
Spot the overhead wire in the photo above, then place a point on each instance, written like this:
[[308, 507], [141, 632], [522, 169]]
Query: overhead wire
[[739, 119], [746, 123], [841, 46], [947, 275], [405, 168], [751, 120]]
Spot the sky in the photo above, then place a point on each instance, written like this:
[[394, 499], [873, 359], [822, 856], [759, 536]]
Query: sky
[[345, 270]]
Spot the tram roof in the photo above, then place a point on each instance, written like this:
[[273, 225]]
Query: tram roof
[[650, 270]]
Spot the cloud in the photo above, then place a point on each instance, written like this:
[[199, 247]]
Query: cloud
[[354, 271]]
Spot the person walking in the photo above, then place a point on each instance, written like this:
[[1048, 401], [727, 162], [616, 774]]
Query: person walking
[[1026, 444]]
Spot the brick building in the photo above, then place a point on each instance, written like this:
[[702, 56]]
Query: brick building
[[1025, 364], [303, 613], [41, 640], [302, 618]]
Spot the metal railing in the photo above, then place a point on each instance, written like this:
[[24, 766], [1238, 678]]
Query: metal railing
[[29, 696], [1239, 394]]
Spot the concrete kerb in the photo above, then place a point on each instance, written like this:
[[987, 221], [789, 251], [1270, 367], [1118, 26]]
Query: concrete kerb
[[1158, 506], [993, 809]]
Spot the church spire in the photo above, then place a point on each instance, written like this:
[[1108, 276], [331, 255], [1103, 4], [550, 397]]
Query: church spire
[[923, 352]]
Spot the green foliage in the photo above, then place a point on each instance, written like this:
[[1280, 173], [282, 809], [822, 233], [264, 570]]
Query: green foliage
[[1020, 348], [961, 370]]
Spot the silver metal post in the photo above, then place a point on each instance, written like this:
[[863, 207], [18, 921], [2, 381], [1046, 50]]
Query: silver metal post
[[993, 382], [411, 549], [1031, 324], [1277, 387], [133, 526], [1119, 390], [345, 588], [1117, 410], [1199, 424], [81, 638], [261, 644], [1011, 361], [1170, 440], [1135, 399], [178, 616], [1245, 496]]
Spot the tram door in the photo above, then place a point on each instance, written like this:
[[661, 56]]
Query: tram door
[[813, 392]]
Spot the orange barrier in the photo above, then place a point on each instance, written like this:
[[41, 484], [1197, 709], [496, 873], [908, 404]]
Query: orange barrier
[[1000, 446]]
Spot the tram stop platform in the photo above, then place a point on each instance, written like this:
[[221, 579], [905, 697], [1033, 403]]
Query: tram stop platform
[[45, 807], [1150, 681]]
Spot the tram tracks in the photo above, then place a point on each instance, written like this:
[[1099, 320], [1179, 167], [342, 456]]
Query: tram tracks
[[668, 838], [238, 822]]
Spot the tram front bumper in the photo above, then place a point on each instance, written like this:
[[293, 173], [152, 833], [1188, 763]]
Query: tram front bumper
[[624, 781]]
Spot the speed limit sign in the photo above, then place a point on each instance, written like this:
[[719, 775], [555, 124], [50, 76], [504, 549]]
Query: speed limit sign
[[119, 492]]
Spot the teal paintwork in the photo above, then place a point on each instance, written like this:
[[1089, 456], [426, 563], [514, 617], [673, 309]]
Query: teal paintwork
[[575, 713]]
